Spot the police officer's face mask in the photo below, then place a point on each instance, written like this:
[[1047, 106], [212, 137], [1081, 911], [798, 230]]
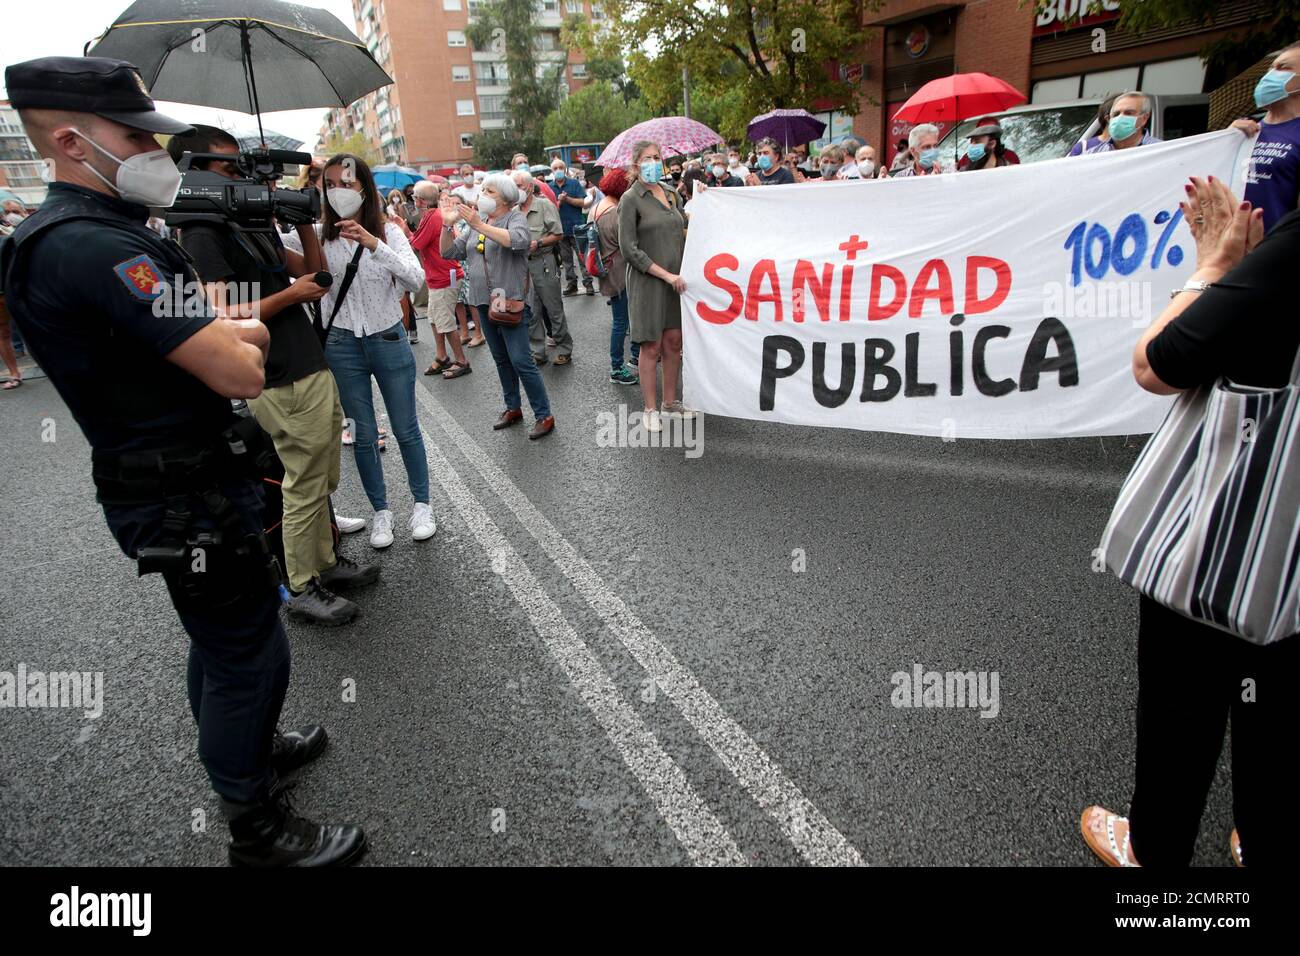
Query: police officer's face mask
[[150, 179]]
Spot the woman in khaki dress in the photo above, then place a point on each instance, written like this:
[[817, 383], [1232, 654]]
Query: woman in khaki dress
[[651, 236]]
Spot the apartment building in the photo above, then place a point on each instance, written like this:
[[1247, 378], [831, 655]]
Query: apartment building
[[445, 91], [20, 164]]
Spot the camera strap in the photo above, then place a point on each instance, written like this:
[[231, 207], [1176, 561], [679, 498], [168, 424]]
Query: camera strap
[[349, 274]]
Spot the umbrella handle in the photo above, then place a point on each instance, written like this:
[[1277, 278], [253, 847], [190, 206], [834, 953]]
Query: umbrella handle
[[246, 49]]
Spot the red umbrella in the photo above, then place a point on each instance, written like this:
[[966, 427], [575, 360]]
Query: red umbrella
[[435, 178], [951, 99]]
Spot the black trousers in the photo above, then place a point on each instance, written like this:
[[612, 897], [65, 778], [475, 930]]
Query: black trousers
[[1191, 677], [238, 668]]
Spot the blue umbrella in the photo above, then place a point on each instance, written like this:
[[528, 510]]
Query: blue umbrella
[[392, 176], [786, 126]]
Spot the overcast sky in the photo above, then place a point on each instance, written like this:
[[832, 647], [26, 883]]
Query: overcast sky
[[34, 28]]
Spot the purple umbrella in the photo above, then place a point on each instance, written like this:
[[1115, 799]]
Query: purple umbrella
[[674, 134], [786, 126]]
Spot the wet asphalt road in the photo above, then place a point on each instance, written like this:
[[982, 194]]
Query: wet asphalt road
[[606, 655]]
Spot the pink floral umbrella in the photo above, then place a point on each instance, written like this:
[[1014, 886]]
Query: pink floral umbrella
[[674, 134]]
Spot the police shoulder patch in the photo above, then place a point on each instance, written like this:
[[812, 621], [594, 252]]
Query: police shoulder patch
[[140, 276]]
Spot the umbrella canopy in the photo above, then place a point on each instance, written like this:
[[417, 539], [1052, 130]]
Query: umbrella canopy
[[254, 140], [246, 55], [674, 134], [435, 178], [392, 176], [786, 126], [951, 99]]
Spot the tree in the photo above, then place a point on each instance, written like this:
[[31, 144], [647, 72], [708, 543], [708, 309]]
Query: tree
[[594, 114], [493, 148], [747, 58], [357, 145], [506, 26]]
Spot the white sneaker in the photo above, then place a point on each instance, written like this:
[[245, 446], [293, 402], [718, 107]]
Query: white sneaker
[[422, 524], [347, 436], [650, 418], [349, 525], [381, 529], [677, 408]]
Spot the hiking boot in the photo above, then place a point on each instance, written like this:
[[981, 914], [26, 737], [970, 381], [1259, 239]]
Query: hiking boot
[[320, 606], [296, 748], [348, 574]]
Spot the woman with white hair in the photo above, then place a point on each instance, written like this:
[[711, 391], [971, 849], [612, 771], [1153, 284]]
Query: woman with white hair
[[494, 243]]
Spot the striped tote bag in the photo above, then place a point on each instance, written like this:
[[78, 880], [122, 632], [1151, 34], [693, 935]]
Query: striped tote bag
[[1208, 521]]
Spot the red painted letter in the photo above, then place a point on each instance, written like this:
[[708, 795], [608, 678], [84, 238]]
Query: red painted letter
[[723, 260], [974, 304], [875, 310], [921, 288], [756, 297], [805, 275]]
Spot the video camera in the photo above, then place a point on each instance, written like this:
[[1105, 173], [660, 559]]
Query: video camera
[[249, 204]]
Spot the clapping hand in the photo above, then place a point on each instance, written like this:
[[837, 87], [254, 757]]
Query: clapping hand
[[449, 209], [1225, 229], [469, 214]]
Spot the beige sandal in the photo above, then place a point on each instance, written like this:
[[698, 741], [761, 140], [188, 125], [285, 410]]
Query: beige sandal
[[1111, 852]]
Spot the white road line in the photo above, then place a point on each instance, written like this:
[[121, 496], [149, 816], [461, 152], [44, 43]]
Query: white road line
[[700, 832], [803, 824]]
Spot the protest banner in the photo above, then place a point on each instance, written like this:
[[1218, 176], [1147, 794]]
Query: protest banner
[[1003, 303]]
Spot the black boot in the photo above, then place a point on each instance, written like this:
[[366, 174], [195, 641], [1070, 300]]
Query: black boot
[[290, 751], [270, 833]]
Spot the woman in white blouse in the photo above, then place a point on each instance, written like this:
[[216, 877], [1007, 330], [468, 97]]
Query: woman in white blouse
[[368, 340]]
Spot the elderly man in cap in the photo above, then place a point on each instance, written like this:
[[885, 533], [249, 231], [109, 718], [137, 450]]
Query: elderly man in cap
[[544, 272], [95, 292]]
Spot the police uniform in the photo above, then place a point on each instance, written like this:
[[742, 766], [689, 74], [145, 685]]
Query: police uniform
[[82, 278]]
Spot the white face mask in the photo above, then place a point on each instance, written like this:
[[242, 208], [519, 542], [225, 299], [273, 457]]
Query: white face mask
[[486, 205], [150, 179], [345, 202]]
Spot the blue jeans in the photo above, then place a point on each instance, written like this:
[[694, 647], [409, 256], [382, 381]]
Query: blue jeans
[[618, 333], [387, 356], [514, 358]]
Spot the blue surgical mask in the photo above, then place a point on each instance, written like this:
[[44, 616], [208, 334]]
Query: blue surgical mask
[[929, 157], [558, 176], [1272, 87], [975, 152], [1122, 127], [765, 162], [523, 166], [652, 171]]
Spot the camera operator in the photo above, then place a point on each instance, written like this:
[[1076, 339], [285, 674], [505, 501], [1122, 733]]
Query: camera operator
[[299, 406]]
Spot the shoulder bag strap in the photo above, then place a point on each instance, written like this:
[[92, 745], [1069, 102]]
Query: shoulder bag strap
[[349, 273]]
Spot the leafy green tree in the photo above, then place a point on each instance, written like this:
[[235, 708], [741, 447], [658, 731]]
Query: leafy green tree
[[594, 114], [357, 145], [493, 148], [506, 26], [742, 59]]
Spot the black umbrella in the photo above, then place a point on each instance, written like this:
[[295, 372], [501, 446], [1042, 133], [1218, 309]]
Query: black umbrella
[[246, 55]]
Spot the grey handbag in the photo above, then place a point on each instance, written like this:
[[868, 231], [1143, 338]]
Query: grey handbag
[[1208, 521]]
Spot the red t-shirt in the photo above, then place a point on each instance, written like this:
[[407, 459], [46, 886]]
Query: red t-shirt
[[427, 242]]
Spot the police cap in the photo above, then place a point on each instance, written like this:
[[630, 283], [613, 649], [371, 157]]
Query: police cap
[[106, 87]]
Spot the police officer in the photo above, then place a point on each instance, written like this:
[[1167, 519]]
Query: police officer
[[151, 390]]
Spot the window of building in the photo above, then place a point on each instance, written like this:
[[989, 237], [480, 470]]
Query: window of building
[[466, 140], [550, 6], [455, 38], [491, 74], [1174, 76], [544, 40], [1055, 91], [492, 107], [1106, 82], [575, 6], [579, 71], [596, 12], [451, 4], [460, 74], [464, 107]]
